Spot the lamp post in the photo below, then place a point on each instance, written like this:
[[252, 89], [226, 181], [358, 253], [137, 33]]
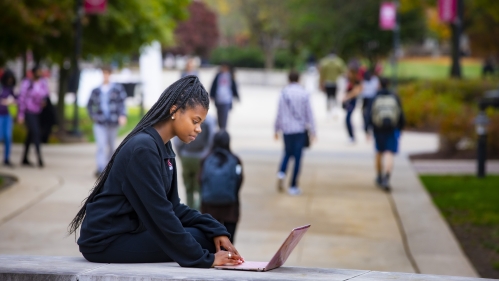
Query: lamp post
[[481, 122], [75, 76]]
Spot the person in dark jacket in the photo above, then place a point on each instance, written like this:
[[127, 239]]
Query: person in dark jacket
[[227, 214], [386, 138], [134, 214], [223, 92]]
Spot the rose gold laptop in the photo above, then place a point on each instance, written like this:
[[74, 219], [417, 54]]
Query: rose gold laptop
[[279, 258]]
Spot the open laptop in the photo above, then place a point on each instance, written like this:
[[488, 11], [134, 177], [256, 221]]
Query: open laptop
[[279, 258]]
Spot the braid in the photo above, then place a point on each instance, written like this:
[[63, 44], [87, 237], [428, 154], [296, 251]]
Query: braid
[[187, 92]]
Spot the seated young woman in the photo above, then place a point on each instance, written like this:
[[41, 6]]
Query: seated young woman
[[134, 214]]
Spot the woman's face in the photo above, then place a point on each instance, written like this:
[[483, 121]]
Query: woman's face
[[187, 123]]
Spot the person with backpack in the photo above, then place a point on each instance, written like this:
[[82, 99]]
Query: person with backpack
[[221, 178], [31, 101], [370, 86], [133, 214], [295, 121], [386, 118], [191, 155]]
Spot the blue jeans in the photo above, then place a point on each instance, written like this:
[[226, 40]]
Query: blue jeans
[[349, 107], [223, 114], [6, 135], [293, 147], [105, 138]]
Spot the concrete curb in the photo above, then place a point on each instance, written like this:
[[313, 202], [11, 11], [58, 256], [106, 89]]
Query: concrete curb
[[430, 240]]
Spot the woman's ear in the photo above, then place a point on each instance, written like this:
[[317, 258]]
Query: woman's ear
[[172, 109]]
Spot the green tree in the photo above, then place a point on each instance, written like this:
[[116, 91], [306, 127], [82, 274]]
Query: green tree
[[46, 28], [268, 24], [352, 27], [482, 26]]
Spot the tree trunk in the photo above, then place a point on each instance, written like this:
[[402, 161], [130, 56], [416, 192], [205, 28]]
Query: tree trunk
[[61, 94]]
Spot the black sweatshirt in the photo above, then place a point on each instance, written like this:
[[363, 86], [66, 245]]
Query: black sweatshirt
[[141, 194]]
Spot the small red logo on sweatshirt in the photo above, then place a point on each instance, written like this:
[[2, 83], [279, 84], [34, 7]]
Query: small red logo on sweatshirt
[[170, 165]]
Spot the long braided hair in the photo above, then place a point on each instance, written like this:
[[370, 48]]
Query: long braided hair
[[187, 92]]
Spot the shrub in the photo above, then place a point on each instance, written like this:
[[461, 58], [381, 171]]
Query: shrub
[[449, 108], [239, 57]]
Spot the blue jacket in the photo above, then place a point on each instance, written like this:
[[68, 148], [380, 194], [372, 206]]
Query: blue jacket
[[141, 194], [117, 96], [214, 88]]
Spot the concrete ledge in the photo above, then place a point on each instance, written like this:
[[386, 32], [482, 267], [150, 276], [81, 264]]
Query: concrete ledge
[[30, 268]]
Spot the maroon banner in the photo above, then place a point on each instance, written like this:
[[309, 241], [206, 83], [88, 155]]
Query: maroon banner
[[388, 16], [95, 6], [447, 10]]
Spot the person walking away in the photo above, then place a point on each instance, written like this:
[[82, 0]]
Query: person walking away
[[106, 108], [223, 91], [370, 86], [31, 101], [8, 82], [387, 120], [191, 155], [331, 68], [221, 179], [296, 123], [354, 89]]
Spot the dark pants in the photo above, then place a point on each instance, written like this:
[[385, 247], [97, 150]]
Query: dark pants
[[223, 115], [349, 107], [231, 228], [331, 96], [293, 147], [366, 104], [32, 122], [141, 248]]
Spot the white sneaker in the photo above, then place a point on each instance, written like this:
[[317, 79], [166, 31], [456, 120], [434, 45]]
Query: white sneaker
[[294, 191]]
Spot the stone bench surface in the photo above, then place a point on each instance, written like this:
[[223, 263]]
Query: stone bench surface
[[40, 268]]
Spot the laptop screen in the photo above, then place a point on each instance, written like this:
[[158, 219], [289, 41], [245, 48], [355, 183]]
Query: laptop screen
[[287, 247]]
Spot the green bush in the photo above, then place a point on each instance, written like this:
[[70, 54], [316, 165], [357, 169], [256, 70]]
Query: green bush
[[253, 57], [250, 57], [449, 108]]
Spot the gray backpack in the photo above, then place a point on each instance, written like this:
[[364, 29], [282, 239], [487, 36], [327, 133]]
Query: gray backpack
[[385, 112], [219, 178]]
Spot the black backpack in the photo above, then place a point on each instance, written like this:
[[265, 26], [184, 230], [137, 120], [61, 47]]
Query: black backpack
[[219, 179]]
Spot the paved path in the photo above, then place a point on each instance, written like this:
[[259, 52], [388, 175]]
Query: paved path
[[354, 225]]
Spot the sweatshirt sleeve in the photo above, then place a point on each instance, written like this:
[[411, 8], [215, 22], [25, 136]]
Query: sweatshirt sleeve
[[147, 194], [192, 218]]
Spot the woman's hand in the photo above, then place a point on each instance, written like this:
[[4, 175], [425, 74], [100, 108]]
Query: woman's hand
[[223, 241], [226, 258]]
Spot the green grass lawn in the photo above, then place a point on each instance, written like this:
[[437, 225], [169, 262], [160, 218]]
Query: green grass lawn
[[471, 206], [19, 131], [428, 68]]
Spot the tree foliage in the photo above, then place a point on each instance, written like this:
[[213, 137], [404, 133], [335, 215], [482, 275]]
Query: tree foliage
[[199, 34], [352, 27], [482, 26]]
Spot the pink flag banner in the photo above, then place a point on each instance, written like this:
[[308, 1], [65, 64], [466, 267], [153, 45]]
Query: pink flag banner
[[388, 16], [447, 10], [95, 6]]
